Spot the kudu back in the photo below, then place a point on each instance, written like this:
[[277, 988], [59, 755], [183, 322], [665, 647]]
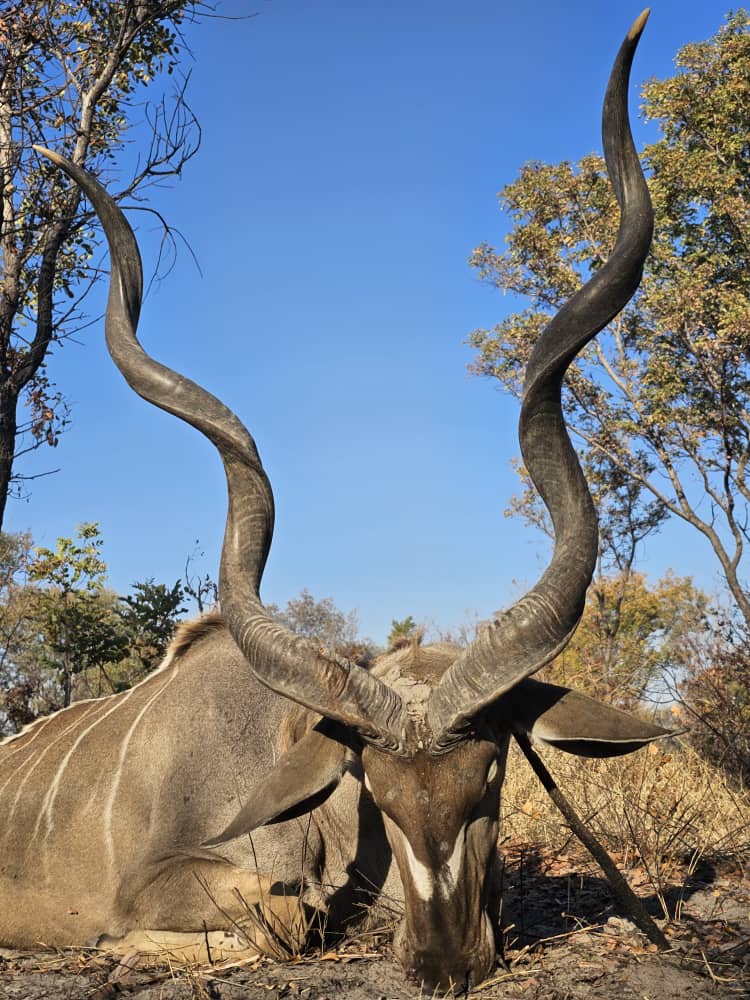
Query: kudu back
[[112, 809]]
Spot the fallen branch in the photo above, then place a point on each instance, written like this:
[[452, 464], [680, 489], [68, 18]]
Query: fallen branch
[[630, 903]]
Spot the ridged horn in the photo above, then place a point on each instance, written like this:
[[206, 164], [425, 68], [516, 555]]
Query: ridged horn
[[293, 667], [538, 626]]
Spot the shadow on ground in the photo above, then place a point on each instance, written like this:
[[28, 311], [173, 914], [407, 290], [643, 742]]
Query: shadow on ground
[[563, 938]]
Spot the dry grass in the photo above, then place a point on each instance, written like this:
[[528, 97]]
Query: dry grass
[[653, 808]]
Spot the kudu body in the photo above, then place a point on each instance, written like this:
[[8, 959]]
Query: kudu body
[[111, 809]]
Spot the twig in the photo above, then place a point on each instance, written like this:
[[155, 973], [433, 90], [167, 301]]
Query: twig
[[504, 978], [716, 979]]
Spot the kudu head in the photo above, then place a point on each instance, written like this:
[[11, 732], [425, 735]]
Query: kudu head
[[430, 726]]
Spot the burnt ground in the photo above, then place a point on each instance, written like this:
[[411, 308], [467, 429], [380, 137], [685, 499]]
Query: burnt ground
[[563, 938]]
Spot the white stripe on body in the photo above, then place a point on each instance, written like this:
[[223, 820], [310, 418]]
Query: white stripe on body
[[35, 763], [48, 802], [109, 807]]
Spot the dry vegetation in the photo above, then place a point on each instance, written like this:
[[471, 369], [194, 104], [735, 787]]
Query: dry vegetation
[[655, 808]]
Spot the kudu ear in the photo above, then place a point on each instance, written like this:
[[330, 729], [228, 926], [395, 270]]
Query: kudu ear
[[301, 780], [573, 722]]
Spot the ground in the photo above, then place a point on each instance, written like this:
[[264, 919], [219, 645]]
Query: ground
[[563, 939]]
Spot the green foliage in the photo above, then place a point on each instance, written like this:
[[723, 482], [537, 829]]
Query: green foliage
[[632, 636], [150, 616], [401, 631], [72, 567], [73, 71], [76, 620], [64, 634], [18, 693], [660, 400]]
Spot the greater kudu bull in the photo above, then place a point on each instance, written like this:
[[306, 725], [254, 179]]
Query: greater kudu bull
[[111, 807]]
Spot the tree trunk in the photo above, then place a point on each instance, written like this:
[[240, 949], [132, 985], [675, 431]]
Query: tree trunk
[[8, 404]]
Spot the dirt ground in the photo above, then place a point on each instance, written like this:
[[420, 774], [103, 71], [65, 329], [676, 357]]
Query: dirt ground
[[563, 940]]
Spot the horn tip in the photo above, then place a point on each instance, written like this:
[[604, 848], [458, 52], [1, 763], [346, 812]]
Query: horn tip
[[638, 25], [49, 153]]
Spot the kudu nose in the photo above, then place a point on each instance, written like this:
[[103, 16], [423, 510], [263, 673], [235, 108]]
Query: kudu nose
[[437, 976], [445, 970]]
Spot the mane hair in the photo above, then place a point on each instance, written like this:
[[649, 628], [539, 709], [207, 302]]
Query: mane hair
[[190, 632], [411, 659]]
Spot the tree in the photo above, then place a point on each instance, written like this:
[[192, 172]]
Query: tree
[[17, 692], [633, 637], [204, 590], [715, 704], [150, 616], [15, 555], [335, 630], [71, 74], [75, 618], [661, 400], [710, 688], [64, 634], [320, 620], [401, 631]]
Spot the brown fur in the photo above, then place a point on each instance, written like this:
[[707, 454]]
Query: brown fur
[[421, 663], [295, 723]]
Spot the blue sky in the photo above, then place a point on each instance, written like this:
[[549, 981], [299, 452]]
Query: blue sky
[[350, 162]]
